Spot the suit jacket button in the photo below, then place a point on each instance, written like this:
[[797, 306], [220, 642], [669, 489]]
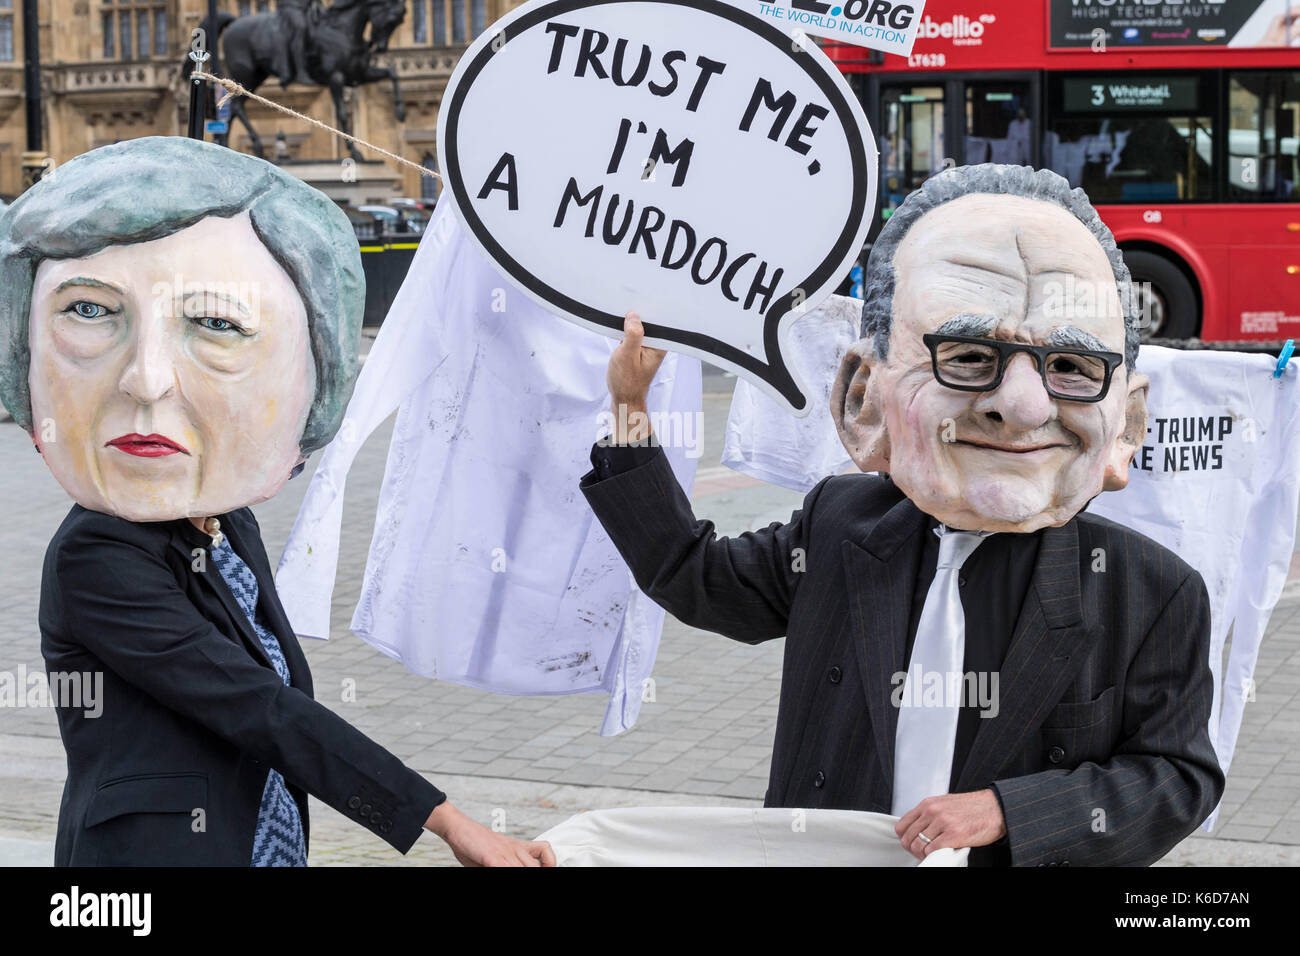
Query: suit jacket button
[[365, 810], [376, 818], [1056, 755], [819, 780], [354, 802], [835, 675]]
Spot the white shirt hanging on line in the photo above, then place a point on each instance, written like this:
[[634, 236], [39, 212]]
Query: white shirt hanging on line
[[1216, 483], [779, 448], [487, 567]]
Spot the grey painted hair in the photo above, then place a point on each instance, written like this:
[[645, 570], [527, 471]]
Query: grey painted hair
[[879, 281], [149, 188]]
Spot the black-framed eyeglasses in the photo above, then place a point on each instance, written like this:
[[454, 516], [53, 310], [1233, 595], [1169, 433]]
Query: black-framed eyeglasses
[[974, 364]]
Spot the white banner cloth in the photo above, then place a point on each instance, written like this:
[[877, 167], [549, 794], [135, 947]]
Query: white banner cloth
[[735, 836]]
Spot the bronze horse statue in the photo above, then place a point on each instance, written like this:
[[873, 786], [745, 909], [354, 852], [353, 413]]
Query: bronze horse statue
[[328, 45]]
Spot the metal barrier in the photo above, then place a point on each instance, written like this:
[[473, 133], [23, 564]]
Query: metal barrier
[[385, 262]]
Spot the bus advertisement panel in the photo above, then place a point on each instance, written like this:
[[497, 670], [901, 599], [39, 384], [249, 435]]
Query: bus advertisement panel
[[1246, 24]]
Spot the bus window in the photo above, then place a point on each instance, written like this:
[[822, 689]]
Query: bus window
[[1142, 139], [911, 141], [998, 128], [1263, 121]]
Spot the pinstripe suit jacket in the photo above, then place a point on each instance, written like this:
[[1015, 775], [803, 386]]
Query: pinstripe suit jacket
[[1100, 751]]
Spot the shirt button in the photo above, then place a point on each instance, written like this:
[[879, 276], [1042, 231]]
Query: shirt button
[[365, 810], [376, 818], [1056, 755], [835, 675], [819, 780], [354, 802]]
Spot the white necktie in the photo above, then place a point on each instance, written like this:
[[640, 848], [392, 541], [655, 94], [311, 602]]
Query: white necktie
[[931, 700]]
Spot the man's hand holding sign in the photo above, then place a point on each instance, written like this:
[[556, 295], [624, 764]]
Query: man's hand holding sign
[[632, 367]]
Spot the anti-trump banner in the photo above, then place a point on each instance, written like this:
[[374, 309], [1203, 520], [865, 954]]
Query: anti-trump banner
[[683, 159]]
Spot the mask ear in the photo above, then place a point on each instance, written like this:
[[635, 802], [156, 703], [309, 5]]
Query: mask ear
[[1130, 439], [858, 412]]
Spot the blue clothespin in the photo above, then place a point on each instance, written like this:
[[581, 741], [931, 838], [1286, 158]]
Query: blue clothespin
[[1285, 356]]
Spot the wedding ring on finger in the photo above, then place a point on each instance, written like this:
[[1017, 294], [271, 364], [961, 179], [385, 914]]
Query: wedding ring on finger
[[925, 838]]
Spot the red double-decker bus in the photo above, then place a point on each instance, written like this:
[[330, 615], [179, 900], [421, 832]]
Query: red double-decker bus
[[1179, 119]]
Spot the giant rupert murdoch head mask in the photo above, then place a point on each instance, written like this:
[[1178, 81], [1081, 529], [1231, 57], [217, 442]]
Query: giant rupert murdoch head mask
[[178, 325], [994, 380]]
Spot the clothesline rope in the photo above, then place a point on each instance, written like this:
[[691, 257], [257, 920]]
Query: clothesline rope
[[233, 88]]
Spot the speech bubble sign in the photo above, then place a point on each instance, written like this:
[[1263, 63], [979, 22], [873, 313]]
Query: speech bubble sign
[[680, 158]]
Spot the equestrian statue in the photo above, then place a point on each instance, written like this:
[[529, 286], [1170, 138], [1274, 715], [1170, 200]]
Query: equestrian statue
[[304, 41]]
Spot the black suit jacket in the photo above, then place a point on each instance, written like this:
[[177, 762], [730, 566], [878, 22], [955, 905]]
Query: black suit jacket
[[1100, 750], [193, 714]]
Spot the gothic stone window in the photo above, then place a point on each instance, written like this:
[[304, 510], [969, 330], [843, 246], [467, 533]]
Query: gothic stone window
[[6, 30], [429, 185], [134, 29], [447, 22]]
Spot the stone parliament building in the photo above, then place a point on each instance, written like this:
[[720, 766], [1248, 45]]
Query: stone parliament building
[[111, 71]]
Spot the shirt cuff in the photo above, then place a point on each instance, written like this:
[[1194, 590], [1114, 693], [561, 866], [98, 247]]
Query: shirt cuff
[[608, 459]]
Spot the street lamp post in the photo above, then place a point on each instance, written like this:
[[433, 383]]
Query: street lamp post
[[34, 156]]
